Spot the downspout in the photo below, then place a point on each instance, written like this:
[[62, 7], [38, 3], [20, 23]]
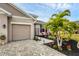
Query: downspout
[[35, 28]]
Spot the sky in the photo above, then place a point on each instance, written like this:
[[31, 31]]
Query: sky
[[45, 10]]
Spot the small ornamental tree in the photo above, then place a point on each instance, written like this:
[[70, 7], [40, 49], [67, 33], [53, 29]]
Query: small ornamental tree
[[58, 23]]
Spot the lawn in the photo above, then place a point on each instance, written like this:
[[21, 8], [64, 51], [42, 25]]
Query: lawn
[[74, 36]]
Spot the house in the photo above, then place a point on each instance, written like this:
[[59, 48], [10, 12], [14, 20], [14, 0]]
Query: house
[[77, 31], [40, 30], [16, 24], [38, 26]]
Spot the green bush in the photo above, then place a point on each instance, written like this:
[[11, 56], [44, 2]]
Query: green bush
[[55, 46], [2, 37], [36, 39], [51, 37]]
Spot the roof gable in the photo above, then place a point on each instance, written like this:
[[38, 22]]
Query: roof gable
[[23, 12], [14, 10], [2, 11]]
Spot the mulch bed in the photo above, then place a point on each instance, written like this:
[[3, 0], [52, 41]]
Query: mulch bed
[[66, 52]]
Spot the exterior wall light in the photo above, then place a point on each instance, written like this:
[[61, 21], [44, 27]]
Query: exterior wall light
[[4, 26]]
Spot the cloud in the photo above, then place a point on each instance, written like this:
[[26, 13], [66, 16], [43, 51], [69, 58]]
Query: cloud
[[58, 6], [44, 10], [63, 6]]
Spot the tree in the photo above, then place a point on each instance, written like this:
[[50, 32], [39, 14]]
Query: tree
[[70, 28], [58, 23]]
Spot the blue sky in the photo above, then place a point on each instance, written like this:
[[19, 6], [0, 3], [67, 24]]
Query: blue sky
[[45, 10]]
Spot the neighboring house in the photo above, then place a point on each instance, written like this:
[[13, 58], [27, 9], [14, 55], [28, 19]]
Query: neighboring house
[[15, 24], [38, 26], [76, 22]]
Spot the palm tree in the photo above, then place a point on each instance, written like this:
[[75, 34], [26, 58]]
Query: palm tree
[[58, 23]]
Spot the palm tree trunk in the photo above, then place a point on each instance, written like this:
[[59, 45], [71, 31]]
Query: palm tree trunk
[[59, 41]]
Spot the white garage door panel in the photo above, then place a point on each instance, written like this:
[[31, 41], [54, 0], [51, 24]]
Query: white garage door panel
[[21, 32]]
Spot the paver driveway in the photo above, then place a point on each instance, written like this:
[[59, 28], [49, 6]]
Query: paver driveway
[[27, 48]]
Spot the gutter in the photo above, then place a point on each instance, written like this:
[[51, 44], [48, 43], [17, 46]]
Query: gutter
[[6, 12]]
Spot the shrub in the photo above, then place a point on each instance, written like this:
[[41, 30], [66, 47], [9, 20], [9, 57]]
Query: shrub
[[2, 37], [67, 43], [64, 44], [51, 37], [36, 38], [55, 46], [73, 44]]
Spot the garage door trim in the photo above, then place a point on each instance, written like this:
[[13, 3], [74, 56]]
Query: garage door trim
[[21, 31], [21, 23], [32, 27]]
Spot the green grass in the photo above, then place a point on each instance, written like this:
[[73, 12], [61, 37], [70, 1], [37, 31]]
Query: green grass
[[74, 36]]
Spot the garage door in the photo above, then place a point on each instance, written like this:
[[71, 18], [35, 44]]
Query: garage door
[[21, 32]]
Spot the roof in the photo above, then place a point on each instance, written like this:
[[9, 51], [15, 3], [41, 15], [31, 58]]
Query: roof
[[23, 12], [35, 16], [2, 11], [40, 22], [76, 22]]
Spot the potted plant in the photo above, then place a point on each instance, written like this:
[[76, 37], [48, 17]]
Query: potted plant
[[2, 39]]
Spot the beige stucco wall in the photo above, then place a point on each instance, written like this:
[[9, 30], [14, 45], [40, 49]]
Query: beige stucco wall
[[15, 20], [10, 29], [37, 26], [8, 22], [11, 9], [14, 12], [26, 20], [3, 20]]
